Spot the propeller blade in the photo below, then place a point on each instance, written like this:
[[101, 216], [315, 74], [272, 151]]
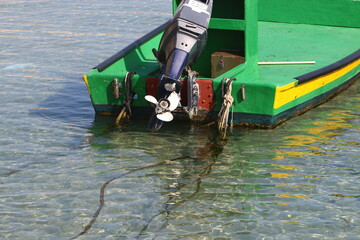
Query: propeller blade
[[151, 99], [174, 100], [166, 116]]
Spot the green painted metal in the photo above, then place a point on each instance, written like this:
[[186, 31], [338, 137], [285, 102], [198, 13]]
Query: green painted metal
[[227, 24], [341, 13], [237, 28], [139, 60]]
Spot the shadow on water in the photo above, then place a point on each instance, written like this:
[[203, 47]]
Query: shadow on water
[[69, 105]]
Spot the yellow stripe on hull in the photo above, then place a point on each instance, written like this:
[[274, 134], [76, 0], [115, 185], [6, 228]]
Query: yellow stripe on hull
[[87, 83], [292, 91]]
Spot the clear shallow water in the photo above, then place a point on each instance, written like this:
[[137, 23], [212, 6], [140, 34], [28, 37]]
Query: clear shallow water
[[298, 181]]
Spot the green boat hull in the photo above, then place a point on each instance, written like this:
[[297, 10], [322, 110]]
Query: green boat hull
[[265, 94]]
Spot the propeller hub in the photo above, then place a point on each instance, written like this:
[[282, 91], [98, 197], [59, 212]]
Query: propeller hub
[[164, 103], [164, 106]]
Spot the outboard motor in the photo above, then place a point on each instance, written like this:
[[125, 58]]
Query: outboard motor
[[181, 45]]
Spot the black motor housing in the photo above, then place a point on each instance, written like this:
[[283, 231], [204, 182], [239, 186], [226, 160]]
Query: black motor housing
[[181, 45], [183, 41]]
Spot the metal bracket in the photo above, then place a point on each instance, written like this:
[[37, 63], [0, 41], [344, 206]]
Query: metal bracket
[[193, 94]]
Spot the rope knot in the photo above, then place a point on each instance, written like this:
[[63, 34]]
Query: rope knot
[[228, 100]]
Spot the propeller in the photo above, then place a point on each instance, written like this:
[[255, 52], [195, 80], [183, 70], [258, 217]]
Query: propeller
[[164, 106]]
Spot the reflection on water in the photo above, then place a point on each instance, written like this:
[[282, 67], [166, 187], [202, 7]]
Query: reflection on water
[[321, 132], [275, 184], [298, 181]]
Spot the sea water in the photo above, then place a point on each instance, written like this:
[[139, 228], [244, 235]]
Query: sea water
[[298, 181]]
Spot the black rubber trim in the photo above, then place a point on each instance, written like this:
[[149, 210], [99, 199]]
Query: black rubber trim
[[335, 66], [105, 64]]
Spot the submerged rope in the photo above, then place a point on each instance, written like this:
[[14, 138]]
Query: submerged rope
[[21, 168], [228, 100], [215, 148], [103, 187], [170, 206]]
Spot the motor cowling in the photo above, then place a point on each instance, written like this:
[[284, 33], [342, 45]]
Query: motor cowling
[[184, 39]]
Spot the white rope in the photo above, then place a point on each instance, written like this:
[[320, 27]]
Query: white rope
[[223, 116]]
